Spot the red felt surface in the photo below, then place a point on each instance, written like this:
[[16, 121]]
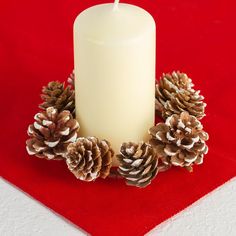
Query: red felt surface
[[36, 46]]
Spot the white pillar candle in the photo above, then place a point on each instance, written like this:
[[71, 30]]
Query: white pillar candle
[[114, 56]]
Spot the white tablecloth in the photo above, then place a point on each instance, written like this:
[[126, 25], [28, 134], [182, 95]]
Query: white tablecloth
[[214, 215]]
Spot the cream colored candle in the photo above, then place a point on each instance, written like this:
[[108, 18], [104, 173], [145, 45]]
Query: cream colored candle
[[114, 56]]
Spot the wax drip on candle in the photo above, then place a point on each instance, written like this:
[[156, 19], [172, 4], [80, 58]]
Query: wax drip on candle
[[115, 7]]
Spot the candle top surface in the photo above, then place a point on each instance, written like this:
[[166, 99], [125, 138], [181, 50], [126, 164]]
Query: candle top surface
[[104, 23]]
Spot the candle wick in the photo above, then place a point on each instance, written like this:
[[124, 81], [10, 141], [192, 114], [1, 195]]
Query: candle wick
[[115, 7]]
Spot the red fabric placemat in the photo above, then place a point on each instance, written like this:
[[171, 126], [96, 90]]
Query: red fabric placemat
[[197, 37]]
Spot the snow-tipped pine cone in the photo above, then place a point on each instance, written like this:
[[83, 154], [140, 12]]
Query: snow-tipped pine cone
[[180, 141], [175, 94], [51, 133], [138, 163], [59, 96], [89, 158]]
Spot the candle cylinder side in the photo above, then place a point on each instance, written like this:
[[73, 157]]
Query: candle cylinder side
[[114, 57]]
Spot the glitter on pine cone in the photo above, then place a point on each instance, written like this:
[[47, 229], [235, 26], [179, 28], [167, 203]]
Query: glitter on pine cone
[[138, 163], [55, 94], [51, 133], [175, 94], [89, 158], [180, 141]]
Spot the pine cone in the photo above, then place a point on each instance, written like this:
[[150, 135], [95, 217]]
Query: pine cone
[[55, 94], [89, 158], [180, 141], [51, 133], [138, 163], [71, 79], [175, 94]]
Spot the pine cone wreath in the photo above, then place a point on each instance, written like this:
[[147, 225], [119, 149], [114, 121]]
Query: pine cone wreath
[[55, 94], [175, 94], [51, 133], [180, 141], [89, 158], [138, 163]]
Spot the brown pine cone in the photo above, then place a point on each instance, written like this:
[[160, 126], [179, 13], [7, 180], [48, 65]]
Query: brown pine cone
[[180, 141], [55, 94], [51, 133], [138, 163], [89, 158], [175, 94]]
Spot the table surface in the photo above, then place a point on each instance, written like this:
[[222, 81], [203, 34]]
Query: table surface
[[215, 214]]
